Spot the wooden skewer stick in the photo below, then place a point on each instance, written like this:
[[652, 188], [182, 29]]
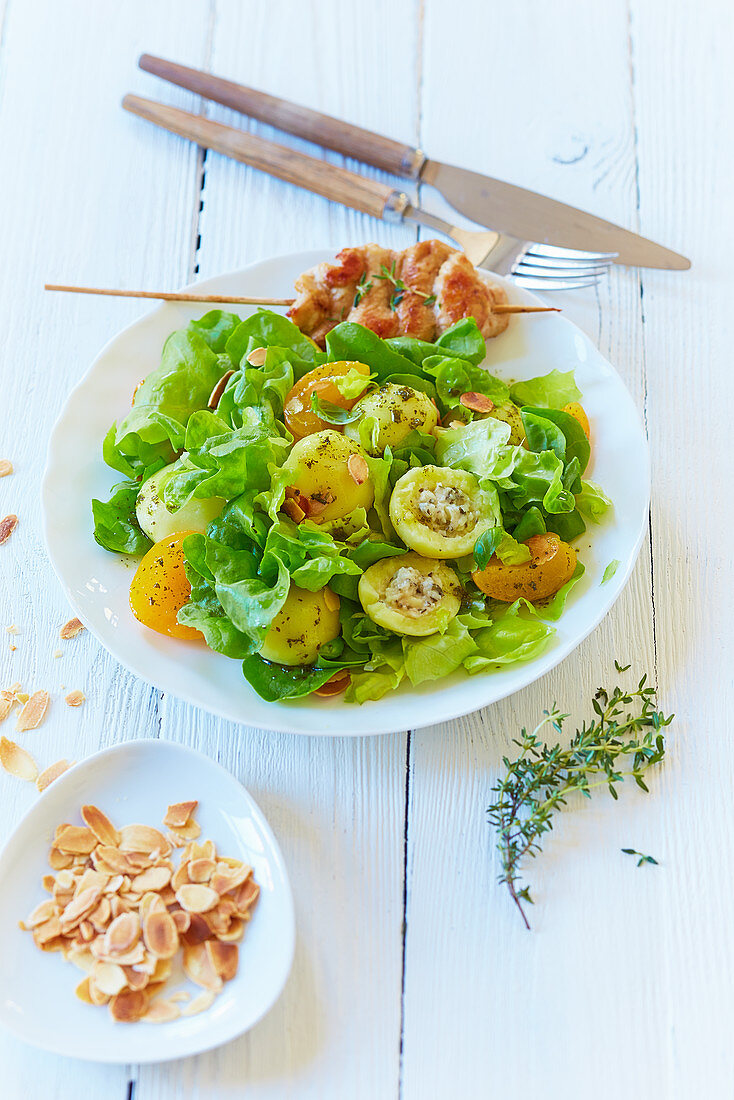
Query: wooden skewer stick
[[505, 308], [173, 296], [178, 296]]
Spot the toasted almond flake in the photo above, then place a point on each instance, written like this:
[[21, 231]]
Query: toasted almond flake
[[6, 467], [109, 978], [153, 879], [101, 915], [82, 991], [216, 395], [293, 510], [100, 825], [90, 879], [174, 840], [338, 683], [113, 860], [197, 932], [201, 870], [199, 1004], [331, 600], [196, 899], [12, 629], [179, 813], [59, 860], [136, 979], [53, 771], [313, 507], [22, 697], [6, 704], [477, 402], [128, 1006], [142, 838], [122, 933], [229, 878], [257, 357], [75, 698], [34, 712], [7, 526], [48, 930], [96, 996], [162, 972], [78, 908], [151, 903], [246, 896], [190, 831], [182, 920], [160, 934], [71, 629], [43, 912], [179, 996], [235, 931], [161, 1012], [17, 761], [358, 469], [224, 958], [87, 931], [75, 839], [198, 967], [48, 882]]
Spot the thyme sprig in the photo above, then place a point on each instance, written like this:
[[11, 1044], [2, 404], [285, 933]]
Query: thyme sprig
[[400, 288], [627, 727], [643, 858]]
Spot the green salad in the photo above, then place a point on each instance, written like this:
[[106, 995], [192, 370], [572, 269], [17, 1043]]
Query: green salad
[[349, 519]]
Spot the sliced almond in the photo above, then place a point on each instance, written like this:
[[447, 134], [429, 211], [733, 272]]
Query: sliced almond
[[199, 968], [122, 934], [53, 771], [34, 712], [136, 979], [75, 840], [257, 357], [160, 934], [82, 991], [101, 826], [6, 704], [109, 978], [7, 526], [229, 878], [47, 930], [143, 838], [195, 898], [154, 879], [338, 683], [199, 1004], [197, 932], [81, 905], [293, 511], [75, 698], [161, 1011], [216, 395], [17, 761], [331, 600], [182, 920], [71, 629], [201, 870], [151, 903], [43, 912], [48, 882], [113, 859], [234, 933], [359, 471], [87, 931], [181, 875], [6, 467], [162, 971], [96, 996], [89, 877], [477, 402], [100, 917], [224, 958], [128, 1006], [58, 860], [179, 813]]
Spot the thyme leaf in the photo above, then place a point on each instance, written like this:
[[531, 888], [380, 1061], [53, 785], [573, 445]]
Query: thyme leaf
[[627, 728], [642, 859], [388, 274]]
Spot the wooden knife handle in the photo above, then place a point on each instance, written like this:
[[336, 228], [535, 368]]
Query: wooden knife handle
[[369, 196], [353, 141]]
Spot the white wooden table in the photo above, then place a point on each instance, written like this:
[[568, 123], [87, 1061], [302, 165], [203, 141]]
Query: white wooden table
[[413, 975]]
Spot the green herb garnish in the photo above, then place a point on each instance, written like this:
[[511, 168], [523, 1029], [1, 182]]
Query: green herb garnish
[[642, 859], [627, 727], [401, 289]]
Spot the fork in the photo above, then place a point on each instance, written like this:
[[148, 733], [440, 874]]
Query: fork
[[531, 265]]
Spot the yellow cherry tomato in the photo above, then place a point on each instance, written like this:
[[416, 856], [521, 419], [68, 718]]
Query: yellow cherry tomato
[[300, 419], [160, 588], [551, 564], [578, 412]]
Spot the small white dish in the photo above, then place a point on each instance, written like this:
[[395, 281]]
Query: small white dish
[[136, 782], [97, 583]]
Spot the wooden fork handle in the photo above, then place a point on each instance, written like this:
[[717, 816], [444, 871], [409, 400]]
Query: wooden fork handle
[[333, 133], [325, 179]]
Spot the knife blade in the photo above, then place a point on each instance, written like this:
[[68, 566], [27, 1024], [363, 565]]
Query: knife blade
[[534, 217], [524, 214]]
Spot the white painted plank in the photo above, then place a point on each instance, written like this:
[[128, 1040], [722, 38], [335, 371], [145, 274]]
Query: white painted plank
[[686, 153], [557, 117], [337, 806], [84, 199]]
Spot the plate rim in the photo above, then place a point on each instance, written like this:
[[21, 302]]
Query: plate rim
[[8, 1023], [279, 722]]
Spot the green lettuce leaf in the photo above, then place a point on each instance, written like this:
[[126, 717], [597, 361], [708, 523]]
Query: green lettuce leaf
[[352, 342], [592, 502], [266, 329], [437, 655], [215, 327], [610, 570], [115, 525], [553, 429], [516, 634], [554, 607], [456, 376], [548, 391]]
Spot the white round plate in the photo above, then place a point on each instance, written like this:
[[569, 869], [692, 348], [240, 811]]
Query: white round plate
[[97, 582], [135, 783]]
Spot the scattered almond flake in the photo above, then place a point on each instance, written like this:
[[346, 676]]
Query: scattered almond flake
[[199, 1004], [358, 469], [53, 771], [12, 629], [477, 402], [129, 1006], [75, 698], [71, 629], [195, 898], [17, 761], [293, 510], [33, 712], [178, 814], [12, 647], [180, 996], [161, 1012], [58, 653], [6, 704], [216, 394], [257, 357], [100, 824], [22, 697], [7, 526], [6, 467]]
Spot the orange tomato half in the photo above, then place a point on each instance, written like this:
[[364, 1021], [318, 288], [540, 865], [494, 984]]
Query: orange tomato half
[[300, 419], [160, 588], [578, 412]]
